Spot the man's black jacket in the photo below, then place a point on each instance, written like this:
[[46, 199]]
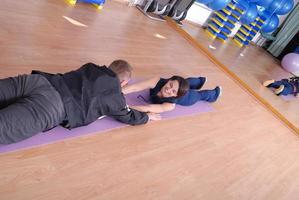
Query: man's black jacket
[[90, 92]]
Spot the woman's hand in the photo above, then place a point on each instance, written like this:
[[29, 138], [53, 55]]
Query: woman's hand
[[154, 116]]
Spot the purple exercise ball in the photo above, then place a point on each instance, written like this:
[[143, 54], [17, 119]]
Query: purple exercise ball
[[290, 62]]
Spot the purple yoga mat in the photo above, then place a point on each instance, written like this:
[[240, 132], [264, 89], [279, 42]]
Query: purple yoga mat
[[102, 125]]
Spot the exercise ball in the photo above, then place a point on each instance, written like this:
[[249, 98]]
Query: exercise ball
[[264, 14], [244, 4], [204, 1], [270, 24], [275, 5], [218, 4], [290, 62], [264, 3], [253, 1], [286, 7], [250, 15]]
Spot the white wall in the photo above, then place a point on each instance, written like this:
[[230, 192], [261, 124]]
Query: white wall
[[198, 13]]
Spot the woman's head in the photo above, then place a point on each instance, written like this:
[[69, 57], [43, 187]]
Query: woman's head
[[176, 86]]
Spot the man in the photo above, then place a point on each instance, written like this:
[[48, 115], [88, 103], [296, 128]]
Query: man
[[40, 101]]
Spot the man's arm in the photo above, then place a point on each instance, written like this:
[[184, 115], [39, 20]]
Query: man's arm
[[134, 117]]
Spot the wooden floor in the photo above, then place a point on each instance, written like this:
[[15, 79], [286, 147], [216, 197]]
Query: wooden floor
[[240, 151], [253, 65]]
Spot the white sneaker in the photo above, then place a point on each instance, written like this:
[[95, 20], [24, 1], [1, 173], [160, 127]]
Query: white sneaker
[[268, 82], [220, 92]]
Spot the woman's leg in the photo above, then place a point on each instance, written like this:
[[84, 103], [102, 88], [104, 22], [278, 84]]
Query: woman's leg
[[196, 83], [277, 84], [39, 109], [286, 89], [193, 96]]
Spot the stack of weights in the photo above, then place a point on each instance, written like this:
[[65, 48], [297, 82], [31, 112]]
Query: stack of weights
[[223, 21], [97, 3], [247, 32]]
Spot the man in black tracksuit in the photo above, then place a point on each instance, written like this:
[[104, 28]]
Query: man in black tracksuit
[[38, 102]]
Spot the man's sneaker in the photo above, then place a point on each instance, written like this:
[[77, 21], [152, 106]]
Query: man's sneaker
[[268, 82], [279, 90]]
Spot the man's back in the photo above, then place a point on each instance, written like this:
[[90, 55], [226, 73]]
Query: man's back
[[90, 92]]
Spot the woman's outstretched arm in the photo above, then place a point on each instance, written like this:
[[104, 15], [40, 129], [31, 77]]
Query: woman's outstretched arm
[[155, 108], [135, 87]]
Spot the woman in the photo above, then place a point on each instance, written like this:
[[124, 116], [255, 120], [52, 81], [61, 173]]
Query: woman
[[165, 93], [284, 86]]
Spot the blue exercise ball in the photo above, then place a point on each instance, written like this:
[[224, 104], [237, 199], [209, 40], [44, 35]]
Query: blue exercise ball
[[204, 1], [264, 3], [275, 6], [271, 24], [218, 4], [286, 7], [250, 15], [253, 1], [244, 4], [264, 14]]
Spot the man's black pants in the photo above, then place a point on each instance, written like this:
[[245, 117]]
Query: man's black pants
[[29, 104]]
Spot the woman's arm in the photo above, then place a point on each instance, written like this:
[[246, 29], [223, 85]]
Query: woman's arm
[[135, 87], [155, 108]]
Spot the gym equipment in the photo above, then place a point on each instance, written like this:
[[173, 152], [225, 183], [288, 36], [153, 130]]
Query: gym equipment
[[290, 62], [179, 10], [156, 9], [250, 14], [247, 31], [264, 3], [285, 7], [271, 24], [223, 21], [218, 4], [97, 3]]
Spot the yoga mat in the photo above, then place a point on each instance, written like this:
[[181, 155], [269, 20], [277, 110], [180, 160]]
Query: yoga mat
[[102, 125], [289, 97]]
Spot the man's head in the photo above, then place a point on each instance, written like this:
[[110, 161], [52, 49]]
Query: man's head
[[123, 70]]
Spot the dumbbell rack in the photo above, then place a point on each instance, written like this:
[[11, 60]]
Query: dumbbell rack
[[223, 21], [97, 3], [247, 32]]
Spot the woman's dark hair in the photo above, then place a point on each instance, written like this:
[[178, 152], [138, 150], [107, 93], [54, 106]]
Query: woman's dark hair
[[183, 85]]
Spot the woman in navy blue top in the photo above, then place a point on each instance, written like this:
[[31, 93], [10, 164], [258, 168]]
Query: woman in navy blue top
[[165, 93], [284, 86]]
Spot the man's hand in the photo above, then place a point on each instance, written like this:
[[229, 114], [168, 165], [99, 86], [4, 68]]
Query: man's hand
[[154, 116]]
